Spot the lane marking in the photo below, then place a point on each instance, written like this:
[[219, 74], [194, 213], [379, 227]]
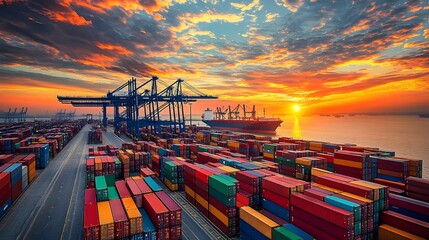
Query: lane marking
[[42, 201]]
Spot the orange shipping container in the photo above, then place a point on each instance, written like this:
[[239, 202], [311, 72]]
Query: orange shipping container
[[107, 226]]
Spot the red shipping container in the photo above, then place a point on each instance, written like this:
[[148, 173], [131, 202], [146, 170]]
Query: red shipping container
[[122, 225], [16, 190], [409, 203], [135, 192], [335, 215], [247, 188], [204, 194], [90, 165], [5, 187], [311, 229], [275, 198], [90, 196], [146, 172], [244, 198], [176, 232], [156, 210], [122, 189], [229, 212], [315, 194], [347, 187], [175, 210], [409, 224], [282, 188], [91, 225], [142, 185]]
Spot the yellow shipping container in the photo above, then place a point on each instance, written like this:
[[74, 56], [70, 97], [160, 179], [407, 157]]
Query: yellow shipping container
[[171, 186], [202, 201], [268, 155], [303, 161], [326, 188], [318, 172], [258, 221], [375, 186], [316, 146], [107, 225], [190, 192], [98, 164], [228, 169], [347, 163], [219, 215], [134, 215], [387, 232]]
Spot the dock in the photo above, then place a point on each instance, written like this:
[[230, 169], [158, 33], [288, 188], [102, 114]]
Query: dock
[[52, 206]]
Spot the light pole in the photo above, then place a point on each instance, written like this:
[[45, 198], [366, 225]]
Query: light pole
[[190, 113]]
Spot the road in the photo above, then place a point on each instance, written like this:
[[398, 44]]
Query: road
[[52, 206]]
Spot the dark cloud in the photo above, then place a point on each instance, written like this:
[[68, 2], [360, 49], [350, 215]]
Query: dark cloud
[[24, 78]]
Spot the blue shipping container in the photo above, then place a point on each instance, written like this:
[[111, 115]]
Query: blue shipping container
[[152, 184], [149, 231], [276, 209], [246, 229], [5, 206]]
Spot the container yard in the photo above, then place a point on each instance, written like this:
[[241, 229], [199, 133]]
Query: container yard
[[203, 185]]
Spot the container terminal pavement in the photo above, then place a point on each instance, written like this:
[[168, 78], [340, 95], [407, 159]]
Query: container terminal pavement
[[52, 206]]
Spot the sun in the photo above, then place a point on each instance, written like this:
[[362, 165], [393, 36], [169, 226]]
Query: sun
[[296, 108]]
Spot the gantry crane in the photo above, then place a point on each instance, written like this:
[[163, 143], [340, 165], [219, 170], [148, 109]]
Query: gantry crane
[[150, 100]]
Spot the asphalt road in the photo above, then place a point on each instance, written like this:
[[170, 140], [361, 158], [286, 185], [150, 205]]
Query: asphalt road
[[52, 206]]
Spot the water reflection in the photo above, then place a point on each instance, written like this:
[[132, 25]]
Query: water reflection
[[296, 131]]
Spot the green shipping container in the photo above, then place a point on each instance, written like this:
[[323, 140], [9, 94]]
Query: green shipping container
[[118, 168], [281, 233], [228, 201], [170, 166], [222, 185], [101, 189], [110, 180], [113, 194]]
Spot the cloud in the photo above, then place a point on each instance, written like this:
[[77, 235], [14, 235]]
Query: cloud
[[243, 7], [292, 5], [271, 17], [189, 20]]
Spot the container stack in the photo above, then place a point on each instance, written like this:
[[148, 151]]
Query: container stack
[[101, 189], [303, 166], [8, 145], [41, 151], [95, 136], [158, 214], [146, 172], [276, 193], [134, 217], [175, 221], [202, 190], [254, 225], [5, 193], [91, 224], [149, 230], [125, 160], [410, 207], [399, 226], [99, 166], [171, 175], [287, 160], [354, 164], [120, 219], [222, 203], [30, 162], [250, 190], [417, 188], [190, 183]]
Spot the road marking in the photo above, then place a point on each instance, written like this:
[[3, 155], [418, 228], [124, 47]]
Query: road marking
[[42, 201], [77, 176]]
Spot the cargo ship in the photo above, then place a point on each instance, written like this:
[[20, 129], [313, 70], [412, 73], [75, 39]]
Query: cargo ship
[[230, 119]]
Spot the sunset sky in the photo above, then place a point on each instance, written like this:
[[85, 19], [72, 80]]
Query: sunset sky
[[325, 56]]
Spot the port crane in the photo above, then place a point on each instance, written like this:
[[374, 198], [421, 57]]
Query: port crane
[[150, 100], [234, 113]]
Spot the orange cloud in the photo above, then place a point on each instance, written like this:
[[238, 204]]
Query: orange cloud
[[363, 24], [117, 48], [189, 20], [67, 15], [98, 60], [292, 5]]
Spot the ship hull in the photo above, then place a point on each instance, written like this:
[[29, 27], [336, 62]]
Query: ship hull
[[244, 125]]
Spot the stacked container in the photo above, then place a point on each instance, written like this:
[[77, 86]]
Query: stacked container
[[101, 189], [149, 230], [15, 171], [254, 225], [222, 203], [91, 224], [417, 188], [134, 216], [175, 221], [105, 217], [158, 214], [5, 192]]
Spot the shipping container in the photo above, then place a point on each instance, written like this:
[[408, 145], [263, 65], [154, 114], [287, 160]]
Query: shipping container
[[149, 230], [122, 225], [91, 225], [258, 221], [156, 210], [105, 217], [134, 216], [101, 188]]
